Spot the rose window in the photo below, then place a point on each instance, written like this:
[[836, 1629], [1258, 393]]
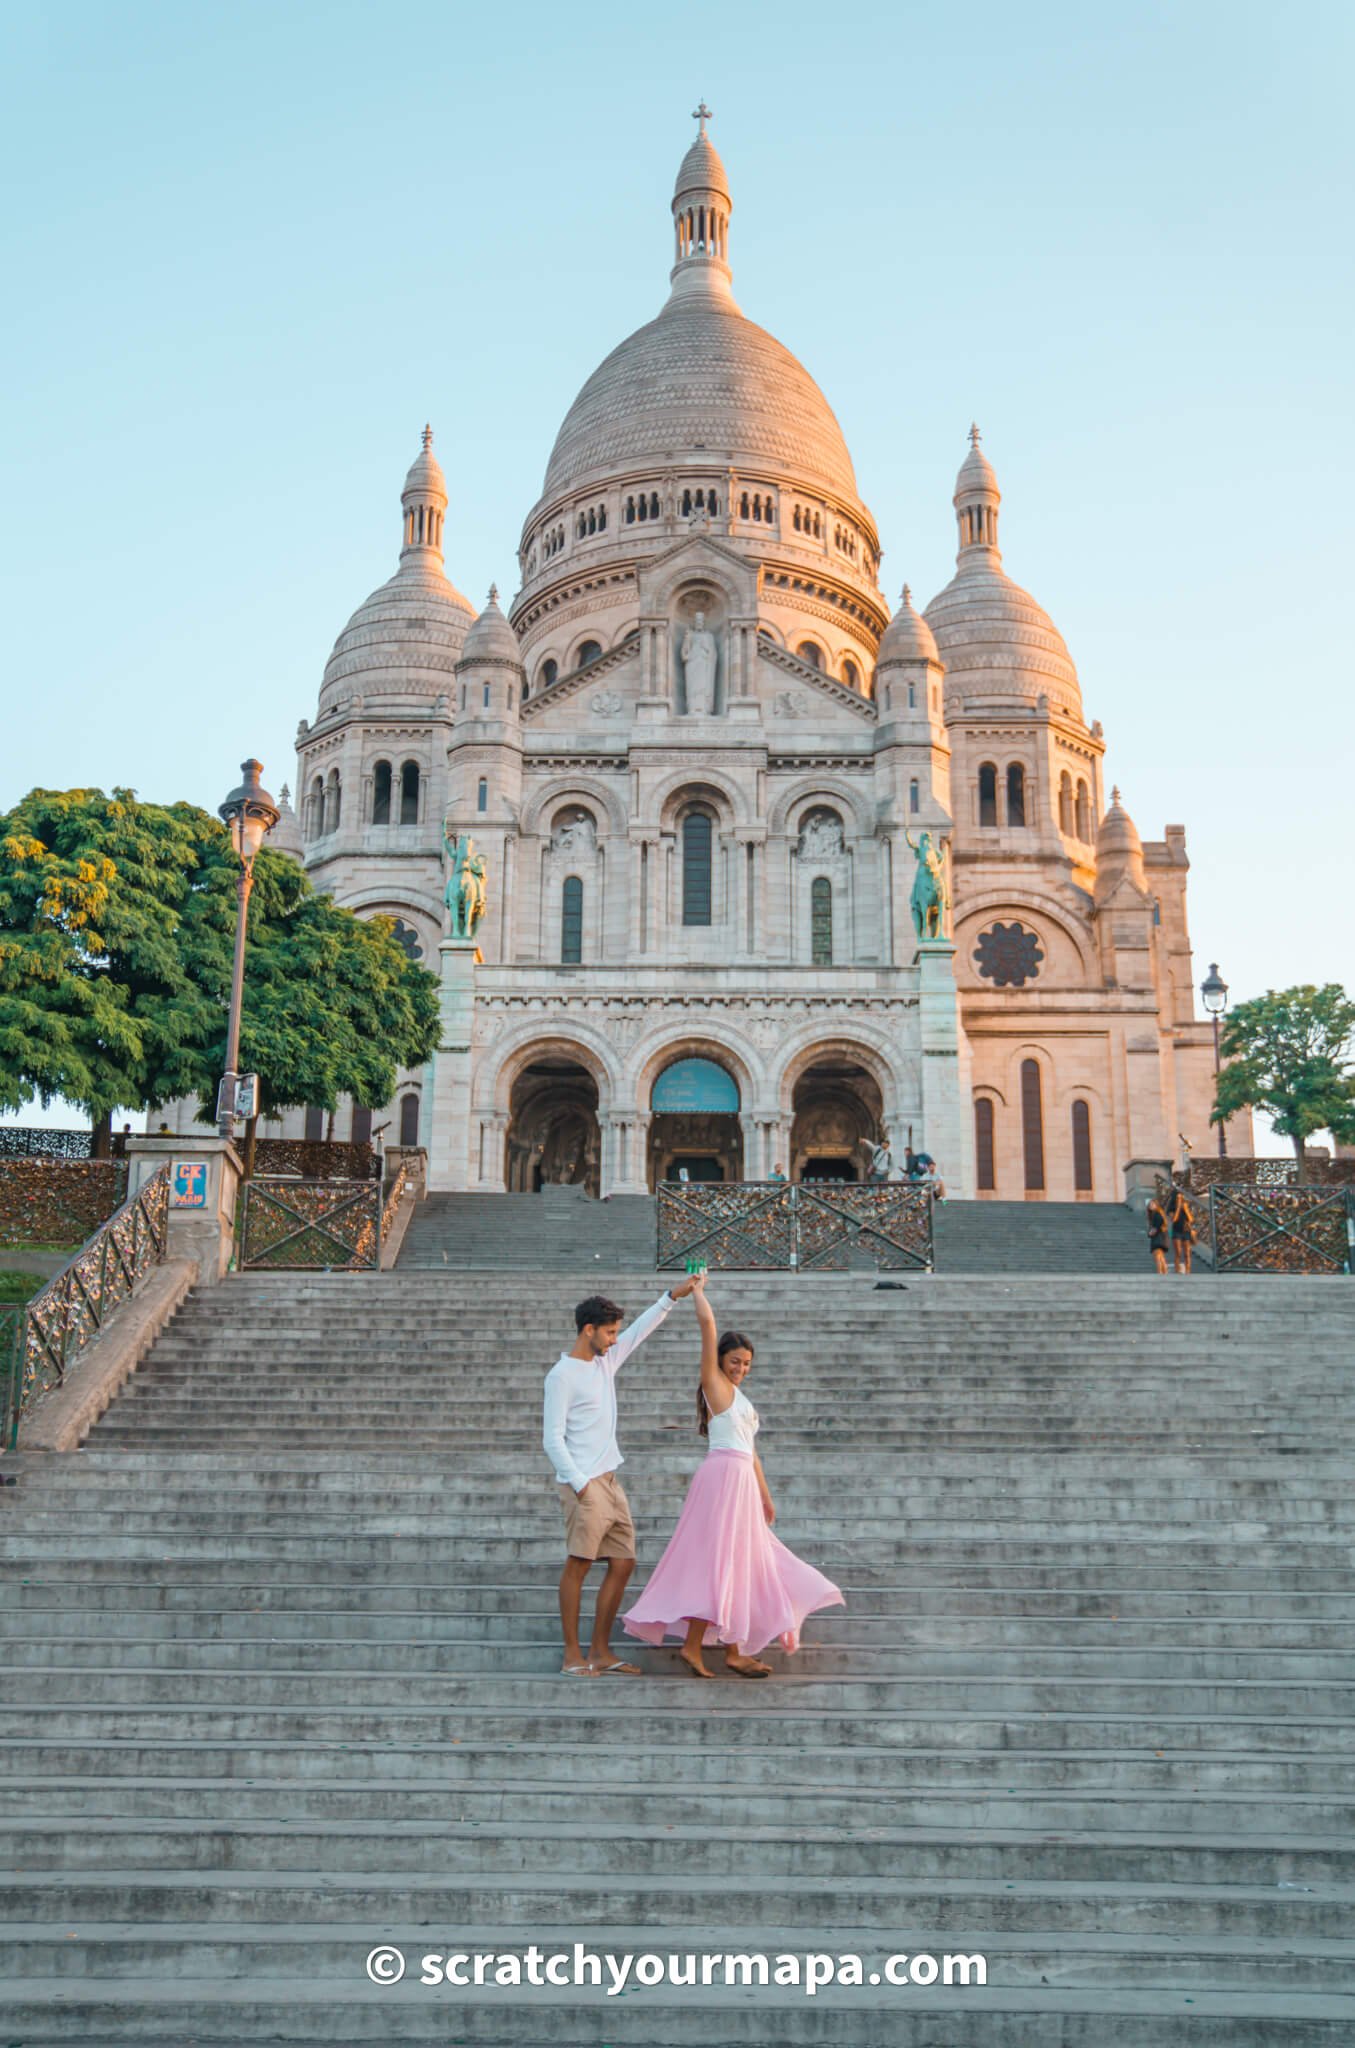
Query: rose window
[[1008, 955]]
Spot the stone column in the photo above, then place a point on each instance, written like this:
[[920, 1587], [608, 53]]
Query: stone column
[[946, 1128], [448, 1140], [491, 1164], [204, 1181]]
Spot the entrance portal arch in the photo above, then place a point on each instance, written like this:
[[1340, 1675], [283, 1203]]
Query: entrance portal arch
[[695, 1129], [837, 1113], [553, 1131]]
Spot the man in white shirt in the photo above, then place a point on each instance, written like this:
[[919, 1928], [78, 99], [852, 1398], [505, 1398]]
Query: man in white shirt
[[580, 1441]]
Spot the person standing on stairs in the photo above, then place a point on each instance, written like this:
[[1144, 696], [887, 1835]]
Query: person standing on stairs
[[1182, 1220], [724, 1577], [579, 1435], [1155, 1216]]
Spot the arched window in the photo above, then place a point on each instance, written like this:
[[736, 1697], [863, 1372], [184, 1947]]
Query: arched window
[[712, 503], [795, 521], [912, 697], [1066, 803], [630, 511], [653, 504], [602, 518], [381, 793], [316, 820], [1016, 794], [744, 510], [590, 651], [486, 696], [1032, 1124], [987, 794], [409, 1121], [686, 503], [333, 801], [547, 674], [482, 795], [985, 1158], [821, 921], [644, 506], [1082, 1147], [696, 867], [807, 651], [851, 675], [1084, 815], [914, 795], [409, 793], [571, 921]]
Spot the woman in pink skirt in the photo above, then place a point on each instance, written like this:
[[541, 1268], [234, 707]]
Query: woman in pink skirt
[[724, 1577]]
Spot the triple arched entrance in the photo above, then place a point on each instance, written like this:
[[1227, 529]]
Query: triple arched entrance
[[696, 1123]]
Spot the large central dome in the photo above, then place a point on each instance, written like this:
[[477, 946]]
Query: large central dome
[[701, 379]]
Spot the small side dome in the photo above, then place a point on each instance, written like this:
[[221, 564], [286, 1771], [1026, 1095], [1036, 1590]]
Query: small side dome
[[491, 638], [907, 637], [1119, 851], [285, 836]]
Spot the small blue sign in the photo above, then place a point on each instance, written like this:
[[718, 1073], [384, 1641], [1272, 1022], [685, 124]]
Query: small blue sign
[[188, 1184], [695, 1087]]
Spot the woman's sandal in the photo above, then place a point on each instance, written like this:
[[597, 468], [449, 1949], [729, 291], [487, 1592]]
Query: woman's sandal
[[752, 1669], [697, 1670]]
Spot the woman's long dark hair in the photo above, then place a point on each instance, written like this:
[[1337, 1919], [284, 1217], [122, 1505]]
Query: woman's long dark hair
[[732, 1340]]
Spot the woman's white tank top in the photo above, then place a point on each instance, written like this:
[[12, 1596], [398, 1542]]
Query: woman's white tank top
[[735, 1429]]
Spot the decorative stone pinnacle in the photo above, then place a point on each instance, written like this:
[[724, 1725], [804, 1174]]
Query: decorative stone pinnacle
[[427, 438], [286, 794], [703, 114]]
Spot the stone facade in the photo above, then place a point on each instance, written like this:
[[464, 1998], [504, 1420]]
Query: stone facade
[[697, 755]]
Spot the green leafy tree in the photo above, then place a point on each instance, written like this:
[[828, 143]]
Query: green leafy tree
[[117, 920], [1289, 1054], [98, 1002]]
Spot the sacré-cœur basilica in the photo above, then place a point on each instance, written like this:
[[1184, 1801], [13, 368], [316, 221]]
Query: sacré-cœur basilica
[[698, 760]]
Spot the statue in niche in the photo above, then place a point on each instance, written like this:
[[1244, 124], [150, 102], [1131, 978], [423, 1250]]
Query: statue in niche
[[698, 667], [929, 901], [821, 837], [575, 834], [466, 890]]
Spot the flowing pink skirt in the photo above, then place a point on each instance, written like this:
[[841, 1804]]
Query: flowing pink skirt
[[724, 1565]]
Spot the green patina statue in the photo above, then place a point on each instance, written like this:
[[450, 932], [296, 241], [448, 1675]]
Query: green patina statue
[[929, 903], [465, 891]]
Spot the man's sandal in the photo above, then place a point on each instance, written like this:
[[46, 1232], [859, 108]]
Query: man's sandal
[[618, 1666], [576, 1671]]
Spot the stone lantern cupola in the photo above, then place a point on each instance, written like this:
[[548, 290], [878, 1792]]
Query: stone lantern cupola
[[424, 499], [701, 210], [976, 501]]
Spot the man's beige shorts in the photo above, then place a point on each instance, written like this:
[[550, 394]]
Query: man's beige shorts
[[599, 1525]]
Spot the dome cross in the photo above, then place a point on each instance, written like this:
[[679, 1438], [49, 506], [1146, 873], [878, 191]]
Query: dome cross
[[702, 114]]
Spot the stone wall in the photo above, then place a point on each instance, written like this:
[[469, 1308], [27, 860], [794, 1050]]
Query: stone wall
[[58, 1201]]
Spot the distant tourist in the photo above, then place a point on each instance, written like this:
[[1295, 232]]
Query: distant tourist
[[724, 1577], [776, 1174], [882, 1167], [1182, 1221], [579, 1434], [1155, 1216], [921, 1169]]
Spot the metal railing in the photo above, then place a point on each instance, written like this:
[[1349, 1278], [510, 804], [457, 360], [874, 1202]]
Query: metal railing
[[55, 1325], [310, 1226], [812, 1226], [1277, 1229]]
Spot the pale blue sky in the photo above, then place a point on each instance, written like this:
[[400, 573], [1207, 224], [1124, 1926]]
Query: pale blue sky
[[249, 250]]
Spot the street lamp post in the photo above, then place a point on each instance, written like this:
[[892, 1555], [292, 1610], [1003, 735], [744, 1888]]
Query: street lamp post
[[250, 814], [1214, 996]]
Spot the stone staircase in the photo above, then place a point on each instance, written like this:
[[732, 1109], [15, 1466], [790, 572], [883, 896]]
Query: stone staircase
[[1039, 1237], [559, 1230], [563, 1229], [280, 1674]]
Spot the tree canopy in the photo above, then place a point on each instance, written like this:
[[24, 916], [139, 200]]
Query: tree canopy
[[1289, 1054], [117, 920]]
